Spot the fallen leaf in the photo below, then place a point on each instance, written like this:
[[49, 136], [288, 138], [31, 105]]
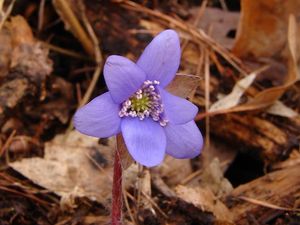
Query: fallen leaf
[[73, 166], [204, 199], [204, 191], [217, 149], [6, 51], [222, 23], [173, 170], [269, 96], [206, 188], [262, 28], [280, 109], [213, 177], [28, 55], [233, 98], [183, 85]]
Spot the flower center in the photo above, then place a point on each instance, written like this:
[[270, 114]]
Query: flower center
[[140, 104], [144, 103]]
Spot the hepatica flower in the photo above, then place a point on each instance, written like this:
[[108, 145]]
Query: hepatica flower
[[153, 122]]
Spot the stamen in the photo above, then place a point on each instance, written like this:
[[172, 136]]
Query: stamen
[[144, 103]]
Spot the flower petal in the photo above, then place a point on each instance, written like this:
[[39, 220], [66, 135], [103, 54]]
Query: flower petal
[[161, 58], [123, 77], [183, 141], [145, 140], [98, 118], [177, 110]]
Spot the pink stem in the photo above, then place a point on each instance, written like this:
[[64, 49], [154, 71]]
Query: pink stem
[[117, 190]]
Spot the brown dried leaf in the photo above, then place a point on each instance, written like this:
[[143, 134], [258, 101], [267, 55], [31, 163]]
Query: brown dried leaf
[[233, 98], [5, 49], [183, 85], [280, 109], [12, 92], [222, 23], [73, 167], [173, 170], [269, 96], [204, 191], [220, 150], [21, 51], [21, 30], [28, 55], [213, 177], [204, 199], [262, 28]]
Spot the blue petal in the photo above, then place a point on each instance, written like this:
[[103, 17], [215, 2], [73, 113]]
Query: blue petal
[[161, 58], [145, 140], [177, 110], [98, 118], [183, 141], [123, 77]]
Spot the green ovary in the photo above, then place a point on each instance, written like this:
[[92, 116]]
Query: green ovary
[[140, 105]]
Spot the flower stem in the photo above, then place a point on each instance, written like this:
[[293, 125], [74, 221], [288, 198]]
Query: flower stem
[[117, 190]]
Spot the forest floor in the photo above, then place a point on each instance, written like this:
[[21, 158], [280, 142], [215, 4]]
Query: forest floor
[[239, 65]]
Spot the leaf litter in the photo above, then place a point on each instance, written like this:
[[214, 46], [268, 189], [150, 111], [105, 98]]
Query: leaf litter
[[69, 164], [79, 169]]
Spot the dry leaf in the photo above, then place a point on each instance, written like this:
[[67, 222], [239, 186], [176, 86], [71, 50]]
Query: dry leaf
[[69, 169], [280, 109], [263, 26], [269, 96], [5, 49], [173, 170], [205, 189], [183, 85], [204, 199], [21, 51], [222, 151], [213, 177], [233, 98], [222, 23], [75, 165], [28, 55]]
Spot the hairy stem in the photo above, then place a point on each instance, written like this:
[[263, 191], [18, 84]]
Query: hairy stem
[[117, 190]]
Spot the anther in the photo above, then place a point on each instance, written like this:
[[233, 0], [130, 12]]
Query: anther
[[144, 103]]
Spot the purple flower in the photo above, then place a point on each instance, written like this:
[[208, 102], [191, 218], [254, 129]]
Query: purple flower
[[153, 122]]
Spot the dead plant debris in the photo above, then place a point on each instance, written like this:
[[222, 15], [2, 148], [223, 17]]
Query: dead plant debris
[[240, 62]]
